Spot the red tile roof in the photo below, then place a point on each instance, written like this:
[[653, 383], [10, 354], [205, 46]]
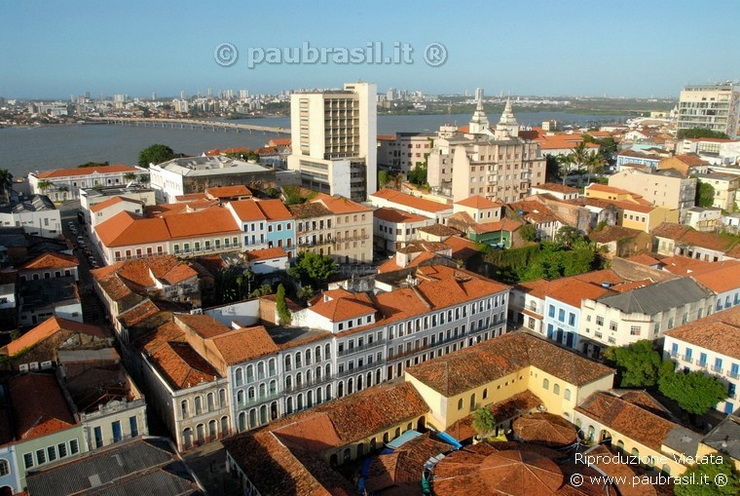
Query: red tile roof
[[242, 345], [266, 254], [473, 367], [113, 201], [720, 277], [479, 202], [140, 271], [228, 191], [170, 352], [274, 210], [558, 188], [87, 171], [507, 225], [534, 211], [339, 204], [462, 249], [39, 406], [204, 326], [407, 200], [51, 261], [507, 409], [719, 332], [545, 429], [339, 309], [48, 328], [397, 216]]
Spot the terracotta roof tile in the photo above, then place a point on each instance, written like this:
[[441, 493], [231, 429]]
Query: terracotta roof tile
[[228, 191], [113, 201], [306, 210], [39, 406], [266, 254], [48, 328], [411, 201], [534, 211], [507, 409], [507, 225], [87, 171], [473, 367], [720, 277], [51, 261], [244, 344], [274, 210], [719, 332], [558, 188], [204, 326], [397, 216], [462, 249], [181, 365], [339, 204], [343, 308], [138, 313], [440, 230], [479, 202]]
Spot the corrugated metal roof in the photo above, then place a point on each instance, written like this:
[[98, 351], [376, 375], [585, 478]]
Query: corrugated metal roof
[[657, 298]]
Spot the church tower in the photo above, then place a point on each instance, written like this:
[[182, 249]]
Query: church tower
[[507, 126], [479, 123]]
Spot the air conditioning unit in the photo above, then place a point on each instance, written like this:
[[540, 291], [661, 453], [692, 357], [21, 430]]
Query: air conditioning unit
[[196, 311]]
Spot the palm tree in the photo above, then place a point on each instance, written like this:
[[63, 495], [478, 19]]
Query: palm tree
[[129, 176], [44, 185], [594, 162], [565, 161], [483, 421], [580, 154]]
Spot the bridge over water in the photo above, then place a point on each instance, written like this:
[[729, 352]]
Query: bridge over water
[[189, 124]]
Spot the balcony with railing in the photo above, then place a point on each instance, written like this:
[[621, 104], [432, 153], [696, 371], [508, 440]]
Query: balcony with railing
[[355, 370], [316, 381], [359, 349], [257, 400]]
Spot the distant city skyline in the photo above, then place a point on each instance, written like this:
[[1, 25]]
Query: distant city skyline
[[546, 49]]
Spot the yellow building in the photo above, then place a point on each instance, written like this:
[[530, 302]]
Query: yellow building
[[455, 385]]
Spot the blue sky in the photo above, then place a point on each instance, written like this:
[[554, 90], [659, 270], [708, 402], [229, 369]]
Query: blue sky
[[627, 48]]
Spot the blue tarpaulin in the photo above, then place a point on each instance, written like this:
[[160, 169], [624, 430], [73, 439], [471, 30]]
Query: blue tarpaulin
[[449, 440]]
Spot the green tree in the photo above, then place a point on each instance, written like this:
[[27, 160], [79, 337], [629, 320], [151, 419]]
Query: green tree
[[638, 365], [418, 175], [483, 421], [693, 391], [93, 164], [709, 479], [580, 154], [44, 185], [383, 178], [700, 132], [292, 194], [6, 181], [704, 194], [565, 162], [568, 236], [594, 163], [263, 290], [305, 293], [129, 176], [528, 232], [155, 154], [284, 316], [313, 269]]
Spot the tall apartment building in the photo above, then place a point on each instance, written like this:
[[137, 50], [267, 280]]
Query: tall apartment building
[[663, 188], [406, 152], [711, 106], [493, 163], [334, 136]]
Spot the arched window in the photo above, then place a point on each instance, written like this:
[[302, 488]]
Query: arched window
[[263, 414], [198, 405], [200, 433], [359, 383], [250, 373], [327, 371], [309, 399], [377, 376], [252, 418], [385, 437], [240, 397], [340, 390], [360, 449], [287, 363], [263, 390], [209, 402], [273, 387], [556, 389], [620, 445], [224, 426], [317, 352], [187, 437], [566, 394], [299, 380], [327, 351], [308, 356], [485, 393], [318, 374], [398, 432], [369, 381], [472, 402], [298, 361], [239, 377], [251, 393], [636, 454], [590, 435], [350, 386], [460, 404], [261, 370], [309, 376], [328, 393], [288, 383], [667, 469], [373, 444], [545, 383], [212, 430], [289, 405], [242, 421], [271, 367], [184, 409], [221, 398], [300, 402]]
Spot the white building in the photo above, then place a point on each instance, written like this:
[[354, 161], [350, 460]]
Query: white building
[[710, 106], [334, 140], [37, 216], [710, 345], [65, 184], [392, 226]]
